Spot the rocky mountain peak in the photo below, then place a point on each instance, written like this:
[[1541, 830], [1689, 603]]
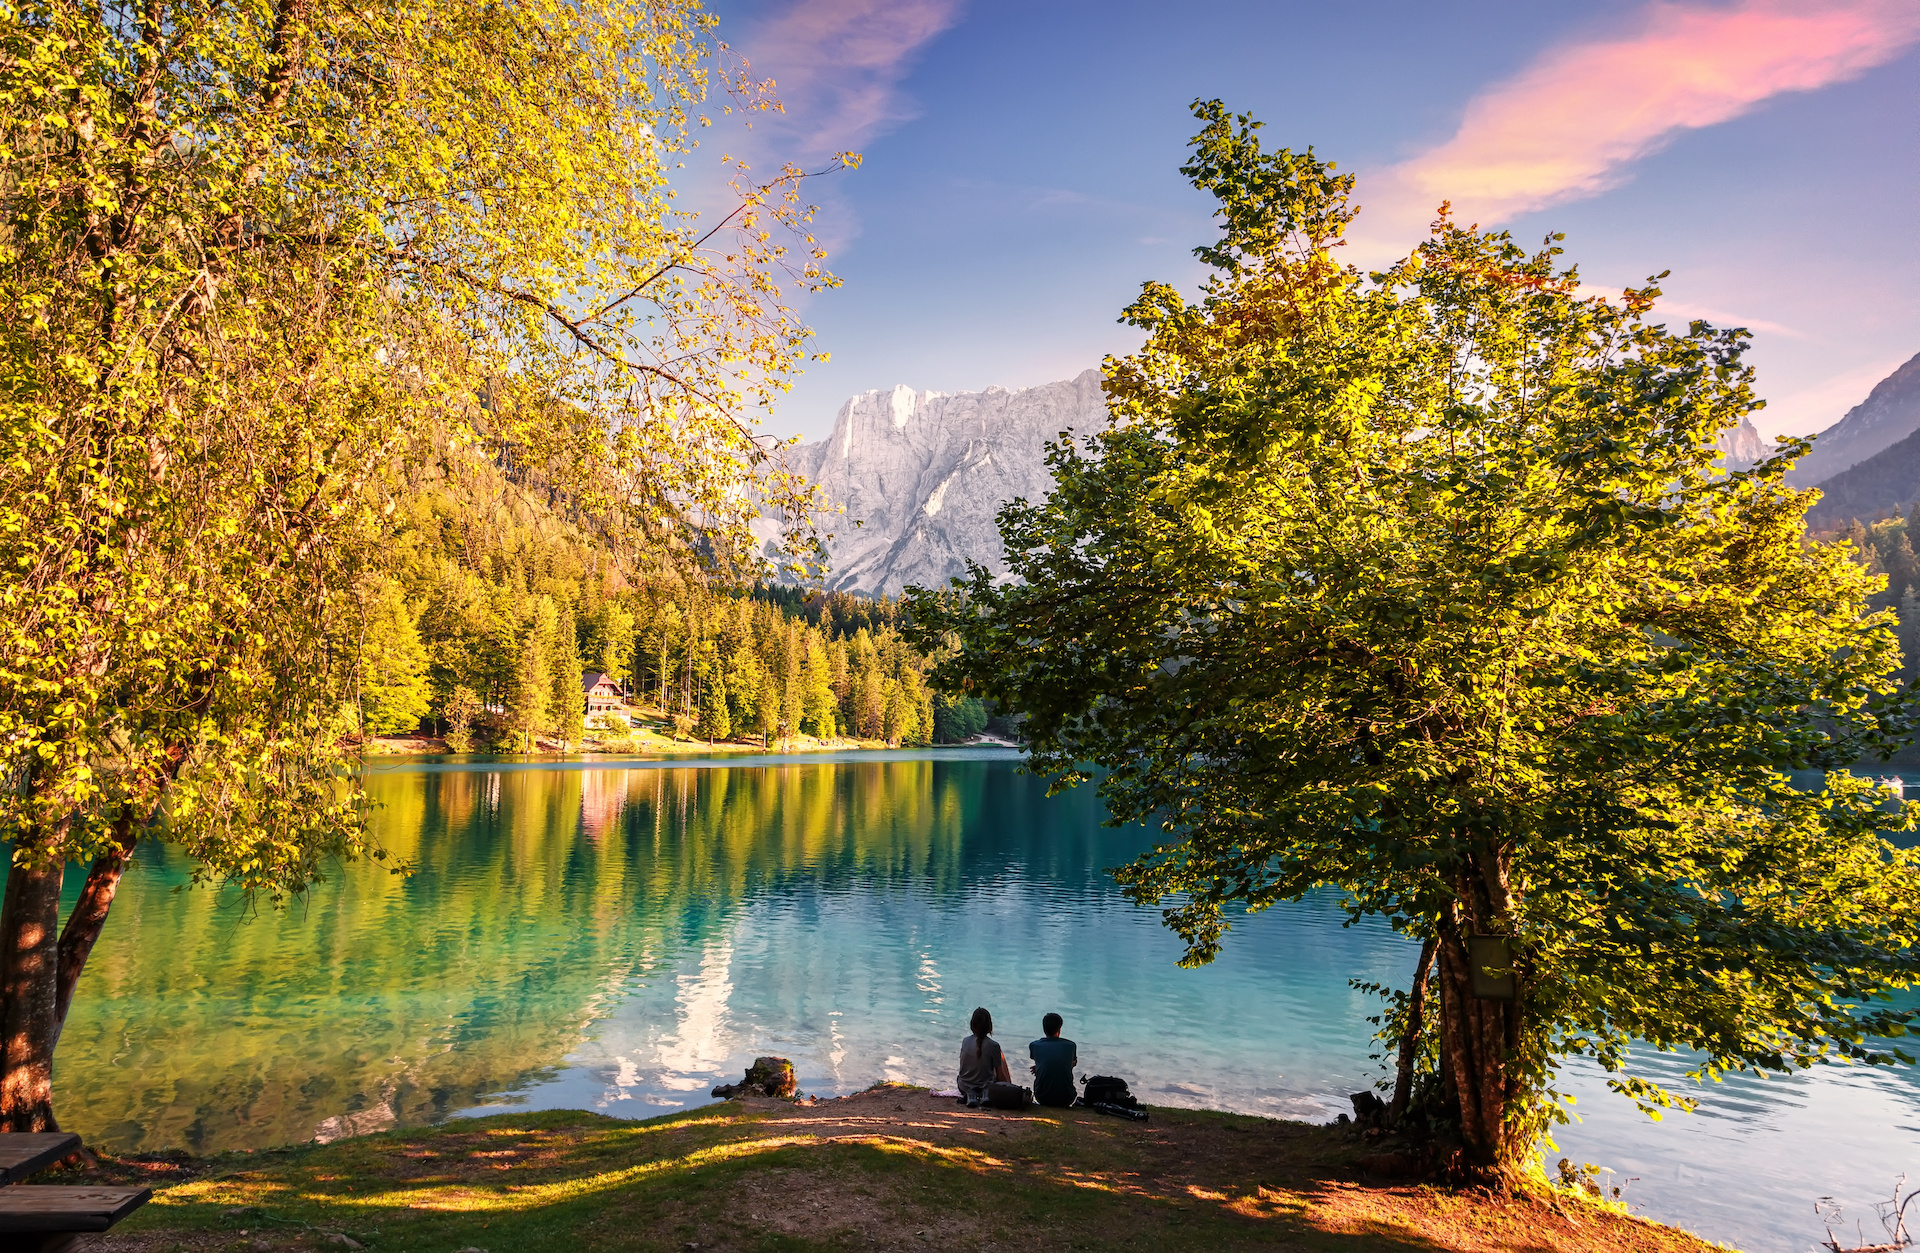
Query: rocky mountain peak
[[925, 472]]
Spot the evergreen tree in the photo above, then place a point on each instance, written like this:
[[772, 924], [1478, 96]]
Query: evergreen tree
[[569, 700], [460, 709], [532, 701], [394, 692]]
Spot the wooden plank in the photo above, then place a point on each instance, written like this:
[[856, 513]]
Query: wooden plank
[[43, 1207], [23, 1153]]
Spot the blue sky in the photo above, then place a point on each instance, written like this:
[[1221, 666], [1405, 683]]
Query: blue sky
[[1021, 164]]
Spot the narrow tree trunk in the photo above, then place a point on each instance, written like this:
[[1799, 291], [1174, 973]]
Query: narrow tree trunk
[[29, 982], [89, 916], [1410, 1038]]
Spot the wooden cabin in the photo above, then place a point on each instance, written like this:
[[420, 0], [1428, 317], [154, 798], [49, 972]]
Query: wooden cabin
[[601, 692]]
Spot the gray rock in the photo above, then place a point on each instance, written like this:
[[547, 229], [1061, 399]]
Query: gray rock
[[1742, 446], [925, 473], [768, 1076]]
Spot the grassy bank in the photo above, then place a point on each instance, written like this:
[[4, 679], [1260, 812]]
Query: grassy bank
[[891, 1168]]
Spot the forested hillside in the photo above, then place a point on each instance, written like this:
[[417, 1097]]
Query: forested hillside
[[491, 605], [1886, 547]]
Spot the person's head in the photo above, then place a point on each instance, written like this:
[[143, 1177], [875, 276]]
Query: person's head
[[981, 1023], [1052, 1023]]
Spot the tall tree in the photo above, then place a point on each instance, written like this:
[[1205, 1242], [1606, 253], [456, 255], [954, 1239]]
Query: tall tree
[[530, 709], [569, 701], [394, 694], [255, 257], [1423, 586]]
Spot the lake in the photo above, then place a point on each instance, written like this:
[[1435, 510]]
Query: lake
[[621, 935]]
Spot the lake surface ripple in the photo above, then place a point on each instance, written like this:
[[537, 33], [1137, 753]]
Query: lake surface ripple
[[622, 935]]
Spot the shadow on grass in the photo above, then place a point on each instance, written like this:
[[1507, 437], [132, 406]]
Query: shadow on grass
[[896, 1171]]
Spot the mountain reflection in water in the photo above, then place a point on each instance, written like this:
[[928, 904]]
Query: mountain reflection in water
[[624, 936], [620, 936]]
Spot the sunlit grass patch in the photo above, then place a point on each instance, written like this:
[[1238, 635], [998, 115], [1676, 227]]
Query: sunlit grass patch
[[888, 1169]]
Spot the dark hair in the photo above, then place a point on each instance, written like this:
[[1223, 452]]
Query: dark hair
[[1051, 1024], [981, 1024]]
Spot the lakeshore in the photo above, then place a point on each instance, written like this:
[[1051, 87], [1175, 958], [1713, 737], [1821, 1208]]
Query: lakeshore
[[647, 731], [619, 935], [890, 1167]]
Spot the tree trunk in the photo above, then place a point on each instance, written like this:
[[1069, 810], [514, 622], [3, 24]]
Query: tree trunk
[[29, 983], [89, 916], [1410, 1038], [1480, 1038]]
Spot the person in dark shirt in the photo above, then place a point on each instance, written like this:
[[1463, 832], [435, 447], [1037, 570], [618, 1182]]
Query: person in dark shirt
[[1053, 1063], [981, 1060]]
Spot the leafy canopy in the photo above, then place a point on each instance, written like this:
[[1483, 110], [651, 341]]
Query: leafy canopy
[[1425, 586], [263, 260]]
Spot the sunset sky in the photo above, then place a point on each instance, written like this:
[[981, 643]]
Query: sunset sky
[[1021, 172]]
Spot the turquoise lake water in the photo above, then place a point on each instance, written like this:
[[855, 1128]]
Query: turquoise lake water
[[622, 935]]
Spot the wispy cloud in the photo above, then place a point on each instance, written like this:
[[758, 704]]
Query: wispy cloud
[[1683, 311], [837, 66], [1570, 124]]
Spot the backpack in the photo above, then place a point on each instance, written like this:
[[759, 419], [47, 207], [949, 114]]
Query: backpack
[[1008, 1096], [1107, 1090]]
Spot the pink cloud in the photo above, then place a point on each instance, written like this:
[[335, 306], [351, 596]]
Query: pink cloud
[[1569, 124], [838, 64]]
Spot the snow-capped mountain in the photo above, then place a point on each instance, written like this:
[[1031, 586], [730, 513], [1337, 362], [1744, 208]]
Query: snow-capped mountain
[[924, 473]]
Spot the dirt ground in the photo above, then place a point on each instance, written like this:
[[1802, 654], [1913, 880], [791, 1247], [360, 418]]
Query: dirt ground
[[892, 1168]]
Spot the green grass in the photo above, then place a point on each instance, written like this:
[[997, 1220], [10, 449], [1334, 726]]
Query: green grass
[[890, 1169]]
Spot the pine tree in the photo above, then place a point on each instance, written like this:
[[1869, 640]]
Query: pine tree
[[820, 709], [792, 690], [394, 694], [569, 700], [716, 720], [533, 677]]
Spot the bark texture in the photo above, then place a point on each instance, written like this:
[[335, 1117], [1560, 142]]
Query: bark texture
[[89, 916], [29, 982], [1410, 1038], [1480, 1039]]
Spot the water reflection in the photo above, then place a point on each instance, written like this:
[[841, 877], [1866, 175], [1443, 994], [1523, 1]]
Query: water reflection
[[623, 937]]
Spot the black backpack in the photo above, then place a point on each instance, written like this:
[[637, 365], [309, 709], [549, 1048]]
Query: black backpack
[[1107, 1090], [1008, 1096]]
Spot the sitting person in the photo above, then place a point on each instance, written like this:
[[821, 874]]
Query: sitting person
[[982, 1061], [1053, 1063]]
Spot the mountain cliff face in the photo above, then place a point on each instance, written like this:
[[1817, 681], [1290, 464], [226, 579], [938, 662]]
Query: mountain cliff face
[[1889, 414], [1742, 446], [925, 472]]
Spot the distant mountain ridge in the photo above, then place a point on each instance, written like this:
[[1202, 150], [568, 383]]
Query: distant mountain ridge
[[1889, 414], [924, 473], [1884, 483]]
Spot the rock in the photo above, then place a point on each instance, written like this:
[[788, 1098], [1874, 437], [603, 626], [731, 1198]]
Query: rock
[[1742, 446], [924, 473], [768, 1076], [345, 1240]]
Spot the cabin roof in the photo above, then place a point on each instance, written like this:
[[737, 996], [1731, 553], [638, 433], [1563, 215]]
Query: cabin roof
[[590, 679]]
